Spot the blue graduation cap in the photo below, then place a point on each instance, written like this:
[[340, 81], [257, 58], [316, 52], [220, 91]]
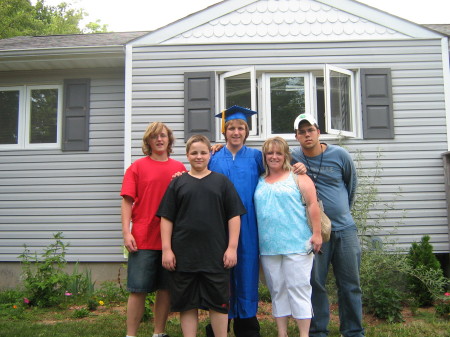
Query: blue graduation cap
[[235, 112]]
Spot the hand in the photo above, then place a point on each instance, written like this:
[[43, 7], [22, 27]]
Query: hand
[[316, 243], [168, 260], [216, 148], [299, 168], [230, 258], [130, 243], [177, 174]]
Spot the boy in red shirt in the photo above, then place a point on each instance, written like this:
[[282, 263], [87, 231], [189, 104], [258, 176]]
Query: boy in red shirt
[[143, 187]]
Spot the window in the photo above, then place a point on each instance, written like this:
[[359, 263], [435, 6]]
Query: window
[[239, 88], [328, 94], [31, 117]]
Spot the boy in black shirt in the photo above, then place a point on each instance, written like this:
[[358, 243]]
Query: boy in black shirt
[[200, 224]]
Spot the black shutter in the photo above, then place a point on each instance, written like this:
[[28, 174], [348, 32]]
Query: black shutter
[[377, 111], [199, 104], [75, 133]]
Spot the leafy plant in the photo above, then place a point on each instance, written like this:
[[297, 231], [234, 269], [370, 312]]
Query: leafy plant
[[111, 292], [44, 278], [421, 259], [81, 313], [442, 306], [149, 302], [382, 284]]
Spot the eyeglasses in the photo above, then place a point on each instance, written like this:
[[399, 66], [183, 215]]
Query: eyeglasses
[[162, 135], [304, 131]]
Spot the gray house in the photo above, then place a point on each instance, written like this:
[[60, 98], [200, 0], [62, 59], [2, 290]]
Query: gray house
[[377, 81]]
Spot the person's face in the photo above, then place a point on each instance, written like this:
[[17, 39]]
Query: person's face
[[159, 142], [274, 157], [307, 135], [198, 156], [235, 133]]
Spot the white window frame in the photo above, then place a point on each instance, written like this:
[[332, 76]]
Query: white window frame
[[309, 99], [353, 116], [261, 94], [23, 141], [251, 71]]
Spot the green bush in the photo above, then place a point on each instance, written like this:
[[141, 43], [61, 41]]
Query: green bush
[[45, 281], [44, 278], [382, 284], [442, 306], [421, 258]]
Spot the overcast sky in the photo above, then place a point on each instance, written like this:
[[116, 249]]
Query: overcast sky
[[137, 15]]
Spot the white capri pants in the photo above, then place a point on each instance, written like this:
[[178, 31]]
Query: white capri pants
[[288, 280]]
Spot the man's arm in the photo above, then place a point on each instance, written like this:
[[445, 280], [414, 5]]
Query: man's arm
[[350, 177], [126, 209], [234, 228]]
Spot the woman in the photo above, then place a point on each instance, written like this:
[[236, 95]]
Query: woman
[[285, 239]]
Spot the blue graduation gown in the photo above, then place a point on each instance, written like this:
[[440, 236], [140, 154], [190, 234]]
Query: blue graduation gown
[[244, 171]]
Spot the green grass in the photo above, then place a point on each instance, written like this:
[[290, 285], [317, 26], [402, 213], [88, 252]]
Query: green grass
[[110, 322]]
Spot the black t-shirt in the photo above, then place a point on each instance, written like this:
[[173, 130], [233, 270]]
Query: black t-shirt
[[200, 210]]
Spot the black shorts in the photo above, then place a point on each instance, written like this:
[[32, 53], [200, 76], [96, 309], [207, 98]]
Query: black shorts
[[145, 271], [199, 290]]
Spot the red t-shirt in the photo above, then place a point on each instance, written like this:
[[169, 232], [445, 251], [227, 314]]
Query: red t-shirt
[[146, 181]]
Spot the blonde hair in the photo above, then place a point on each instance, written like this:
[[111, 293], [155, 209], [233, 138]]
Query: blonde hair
[[279, 143], [241, 122], [197, 139], [154, 129]]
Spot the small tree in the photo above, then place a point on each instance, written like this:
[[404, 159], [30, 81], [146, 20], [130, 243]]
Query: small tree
[[422, 259]]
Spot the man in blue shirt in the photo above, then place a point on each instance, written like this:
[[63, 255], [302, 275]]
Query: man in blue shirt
[[333, 172]]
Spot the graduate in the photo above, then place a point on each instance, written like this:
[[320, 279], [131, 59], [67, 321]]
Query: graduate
[[243, 166]]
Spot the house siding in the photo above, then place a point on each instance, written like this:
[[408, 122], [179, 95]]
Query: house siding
[[43, 192], [412, 177]]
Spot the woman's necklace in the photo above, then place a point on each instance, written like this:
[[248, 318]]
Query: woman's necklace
[[315, 176]]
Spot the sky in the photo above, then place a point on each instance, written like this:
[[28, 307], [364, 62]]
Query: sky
[[145, 15]]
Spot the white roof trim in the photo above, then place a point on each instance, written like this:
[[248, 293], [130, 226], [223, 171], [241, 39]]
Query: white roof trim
[[128, 106], [228, 6], [378, 16], [446, 73], [191, 21]]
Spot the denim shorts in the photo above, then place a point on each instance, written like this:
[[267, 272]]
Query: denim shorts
[[145, 271]]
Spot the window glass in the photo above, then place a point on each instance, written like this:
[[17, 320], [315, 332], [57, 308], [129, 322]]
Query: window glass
[[9, 116], [287, 101], [340, 104], [43, 116]]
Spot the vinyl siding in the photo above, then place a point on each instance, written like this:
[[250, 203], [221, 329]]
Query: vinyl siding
[[43, 192], [412, 177]]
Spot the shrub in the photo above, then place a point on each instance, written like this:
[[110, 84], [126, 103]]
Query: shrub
[[382, 284], [422, 259], [44, 278], [442, 306]]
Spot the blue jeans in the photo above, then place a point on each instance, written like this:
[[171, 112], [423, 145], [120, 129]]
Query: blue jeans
[[343, 251]]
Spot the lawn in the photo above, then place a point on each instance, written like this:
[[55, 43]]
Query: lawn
[[109, 321]]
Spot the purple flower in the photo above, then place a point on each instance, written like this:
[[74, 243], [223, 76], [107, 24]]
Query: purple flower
[[26, 300], [67, 293]]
